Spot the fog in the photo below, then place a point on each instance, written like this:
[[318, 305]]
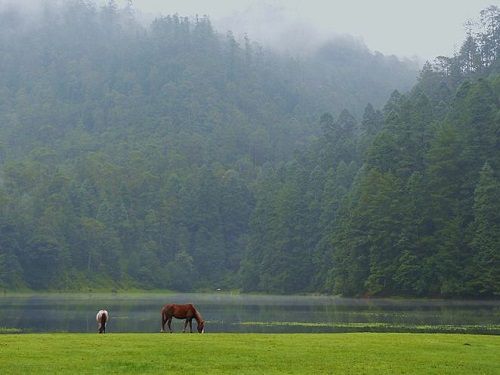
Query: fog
[[423, 29]]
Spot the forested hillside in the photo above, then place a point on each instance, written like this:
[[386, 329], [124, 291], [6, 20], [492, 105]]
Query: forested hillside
[[404, 202], [129, 154], [171, 156]]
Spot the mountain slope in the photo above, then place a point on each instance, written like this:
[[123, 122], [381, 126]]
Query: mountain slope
[[130, 155]]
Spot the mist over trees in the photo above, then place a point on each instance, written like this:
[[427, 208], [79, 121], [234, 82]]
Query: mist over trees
[[172, 156]]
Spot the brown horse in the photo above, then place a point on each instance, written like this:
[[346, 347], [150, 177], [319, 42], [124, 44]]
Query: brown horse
[[187, 312], [101, 318]]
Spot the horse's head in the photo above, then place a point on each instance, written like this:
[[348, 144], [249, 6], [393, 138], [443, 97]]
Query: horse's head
[[201, 327]]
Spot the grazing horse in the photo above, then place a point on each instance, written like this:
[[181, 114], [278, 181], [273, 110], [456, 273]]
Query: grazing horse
[[101, 318], [187, 312]]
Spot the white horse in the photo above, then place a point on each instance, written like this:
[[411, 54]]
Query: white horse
[[101, 318]]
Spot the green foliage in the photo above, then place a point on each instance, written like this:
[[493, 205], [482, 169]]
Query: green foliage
[[485, 242], [130, 155], [412, 220], [173, 157]]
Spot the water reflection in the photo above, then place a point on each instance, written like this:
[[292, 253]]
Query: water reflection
[[243, 313]]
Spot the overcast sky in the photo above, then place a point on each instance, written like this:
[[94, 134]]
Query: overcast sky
[[424, 28]]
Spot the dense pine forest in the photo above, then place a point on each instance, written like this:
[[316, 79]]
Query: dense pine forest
[[173, 156]]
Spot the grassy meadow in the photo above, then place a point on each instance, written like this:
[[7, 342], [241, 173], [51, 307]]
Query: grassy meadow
[[349, 353]]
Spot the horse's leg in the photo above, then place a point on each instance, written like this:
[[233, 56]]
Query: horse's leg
[[185, 325], [191, 325]]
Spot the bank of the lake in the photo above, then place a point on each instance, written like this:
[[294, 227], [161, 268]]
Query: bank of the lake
[[356, 353]]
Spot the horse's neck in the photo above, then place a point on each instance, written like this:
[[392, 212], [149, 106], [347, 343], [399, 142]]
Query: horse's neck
[[197, 316]]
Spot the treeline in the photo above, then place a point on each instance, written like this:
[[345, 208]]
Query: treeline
[[171, 156], [479, 52]]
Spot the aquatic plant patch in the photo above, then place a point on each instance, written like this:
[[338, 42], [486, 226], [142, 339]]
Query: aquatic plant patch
[[393, 327], [9, 330]]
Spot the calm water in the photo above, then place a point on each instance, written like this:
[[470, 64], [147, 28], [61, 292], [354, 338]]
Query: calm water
[[242, 313]]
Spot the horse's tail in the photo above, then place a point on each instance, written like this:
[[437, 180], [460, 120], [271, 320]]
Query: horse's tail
[[163, 318], [163, 313], [104, 317]]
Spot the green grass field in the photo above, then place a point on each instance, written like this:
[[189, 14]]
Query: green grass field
[[349, 353]]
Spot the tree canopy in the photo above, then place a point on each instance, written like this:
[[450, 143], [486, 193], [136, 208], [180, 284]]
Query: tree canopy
[[172, 156]]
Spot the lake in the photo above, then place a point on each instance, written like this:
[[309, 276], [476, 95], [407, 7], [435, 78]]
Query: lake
[[247, 313]]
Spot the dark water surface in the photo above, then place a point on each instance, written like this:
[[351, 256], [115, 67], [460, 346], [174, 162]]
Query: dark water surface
[[247, 313]]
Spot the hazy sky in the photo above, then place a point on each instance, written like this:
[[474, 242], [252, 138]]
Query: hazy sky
[[424, 28]]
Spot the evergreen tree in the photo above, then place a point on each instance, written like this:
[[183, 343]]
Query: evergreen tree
[[486, 234]]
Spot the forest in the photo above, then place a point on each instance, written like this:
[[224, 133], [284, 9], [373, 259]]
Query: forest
[[173, 156]]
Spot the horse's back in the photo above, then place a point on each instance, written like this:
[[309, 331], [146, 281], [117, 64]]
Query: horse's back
[[178, 311], [102, 316]]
